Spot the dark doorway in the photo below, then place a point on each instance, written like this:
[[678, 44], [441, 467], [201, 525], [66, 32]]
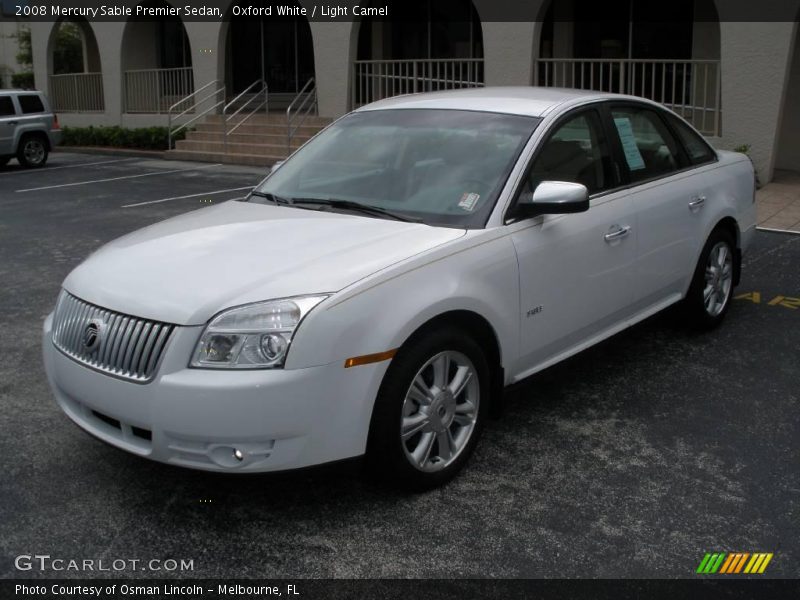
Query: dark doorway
[[279, 49]]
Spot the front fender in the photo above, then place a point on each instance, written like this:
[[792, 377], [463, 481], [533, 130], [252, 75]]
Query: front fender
[[381, 312]]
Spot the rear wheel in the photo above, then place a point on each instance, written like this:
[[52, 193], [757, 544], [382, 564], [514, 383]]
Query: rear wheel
[[710, 293], [32, 151], [4, 161], [430, 411]]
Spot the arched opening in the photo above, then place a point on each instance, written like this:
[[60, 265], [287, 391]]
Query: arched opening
[[277, 49], [788, 154], [427, 45], [156, 62], [74, 69], [666, 52]]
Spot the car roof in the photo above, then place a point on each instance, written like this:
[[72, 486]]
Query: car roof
[[532, 101], [20, 92]]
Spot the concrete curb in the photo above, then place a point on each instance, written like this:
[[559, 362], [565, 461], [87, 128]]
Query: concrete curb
[[112, 151]]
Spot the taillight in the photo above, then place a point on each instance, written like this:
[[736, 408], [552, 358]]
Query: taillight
[[55, 122]]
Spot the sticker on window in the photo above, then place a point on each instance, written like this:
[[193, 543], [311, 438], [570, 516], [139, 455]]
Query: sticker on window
[[468, 201], [629, 147]]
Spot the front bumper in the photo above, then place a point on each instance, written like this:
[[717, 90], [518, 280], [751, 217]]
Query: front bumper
[[276, 419]]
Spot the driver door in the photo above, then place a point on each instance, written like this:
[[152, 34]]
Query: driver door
[[575, 270]]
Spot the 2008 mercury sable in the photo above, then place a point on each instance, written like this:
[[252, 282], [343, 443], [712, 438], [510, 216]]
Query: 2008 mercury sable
[[376, 292]]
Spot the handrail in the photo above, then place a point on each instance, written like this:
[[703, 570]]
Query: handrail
[[247, 90], [170, 117], [305, 94], [690, 87]]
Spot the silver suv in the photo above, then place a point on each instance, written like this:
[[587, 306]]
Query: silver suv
[[28, 128]]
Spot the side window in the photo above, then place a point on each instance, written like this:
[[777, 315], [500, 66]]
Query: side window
[[696, 147], [648, 148], [6, 106], [30, 103], [576, 152]]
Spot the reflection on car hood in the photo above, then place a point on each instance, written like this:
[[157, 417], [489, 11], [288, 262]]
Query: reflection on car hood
[[186, 269]]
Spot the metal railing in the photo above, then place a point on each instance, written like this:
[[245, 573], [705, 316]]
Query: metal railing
[[190, 104], [253, 97], [77, 92], [377, 79], [156, 90], [305, 101], [689, 87]]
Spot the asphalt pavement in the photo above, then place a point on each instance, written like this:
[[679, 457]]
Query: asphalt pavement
[[632, 459]]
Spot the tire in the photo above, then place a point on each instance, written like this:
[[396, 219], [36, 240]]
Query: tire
[[420, 461], [711, 290], [4, 161], [32, 152]]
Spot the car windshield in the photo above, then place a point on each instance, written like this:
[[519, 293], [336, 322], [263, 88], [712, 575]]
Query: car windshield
[[441, 167]]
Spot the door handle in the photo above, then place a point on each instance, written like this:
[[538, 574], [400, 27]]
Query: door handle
[[617, 233], [697, 202], [11, 122]]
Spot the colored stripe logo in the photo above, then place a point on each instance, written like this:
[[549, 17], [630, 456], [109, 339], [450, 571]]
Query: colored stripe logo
[[730, 563]]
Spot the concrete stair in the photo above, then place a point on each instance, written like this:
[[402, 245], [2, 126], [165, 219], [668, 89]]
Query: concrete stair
[[258, 141]]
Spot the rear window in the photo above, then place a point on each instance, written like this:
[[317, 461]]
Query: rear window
[[30, 104], [696, 147], [6, 106]]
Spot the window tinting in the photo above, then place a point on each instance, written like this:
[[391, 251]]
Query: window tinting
[[576, 152], [696, 147], [649, 150], [30, 103], [6, 106]]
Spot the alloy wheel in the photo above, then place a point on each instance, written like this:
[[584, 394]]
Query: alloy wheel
[[718, 279], [440, 411], [34, 151]]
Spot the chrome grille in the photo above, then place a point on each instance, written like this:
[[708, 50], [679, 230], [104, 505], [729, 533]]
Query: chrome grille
[[117, 344]]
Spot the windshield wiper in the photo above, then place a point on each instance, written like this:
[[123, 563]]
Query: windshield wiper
[[270, 197], [366, 209]]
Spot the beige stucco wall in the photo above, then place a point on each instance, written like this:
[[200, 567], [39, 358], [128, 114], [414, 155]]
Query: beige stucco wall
[[754, 65], [788, 152]]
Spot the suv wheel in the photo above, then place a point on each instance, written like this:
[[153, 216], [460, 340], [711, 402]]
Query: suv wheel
[[32, 151]]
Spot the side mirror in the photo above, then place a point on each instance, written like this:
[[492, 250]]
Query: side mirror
[[555, 198]]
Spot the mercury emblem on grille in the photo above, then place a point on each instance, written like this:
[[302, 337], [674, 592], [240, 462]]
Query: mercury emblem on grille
[[93, 335]]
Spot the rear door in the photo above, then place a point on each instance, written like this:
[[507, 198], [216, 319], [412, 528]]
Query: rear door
[[8, 123], [666, 200]]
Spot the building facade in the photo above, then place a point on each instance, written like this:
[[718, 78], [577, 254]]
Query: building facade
[[738, 82]]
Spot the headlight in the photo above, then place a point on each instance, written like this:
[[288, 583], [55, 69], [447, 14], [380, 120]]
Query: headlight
[[252, 336]]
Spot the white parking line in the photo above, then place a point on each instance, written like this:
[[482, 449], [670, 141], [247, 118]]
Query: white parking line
[[50, 187], [37, 171], [249, 187]]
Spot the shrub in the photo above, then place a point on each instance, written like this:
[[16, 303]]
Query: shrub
[[141, 138], [23, 81]]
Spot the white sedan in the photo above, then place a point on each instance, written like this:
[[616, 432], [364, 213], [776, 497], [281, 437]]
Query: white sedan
[[375, 293]]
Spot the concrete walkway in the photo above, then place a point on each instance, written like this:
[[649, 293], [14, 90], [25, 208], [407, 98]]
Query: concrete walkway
[[779, 202]]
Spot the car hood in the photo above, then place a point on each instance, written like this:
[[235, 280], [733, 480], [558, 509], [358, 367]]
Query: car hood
[[186, 269]]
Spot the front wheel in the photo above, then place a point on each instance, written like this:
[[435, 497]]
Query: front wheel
[[32, 151], [710, 292], [430, 411]]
